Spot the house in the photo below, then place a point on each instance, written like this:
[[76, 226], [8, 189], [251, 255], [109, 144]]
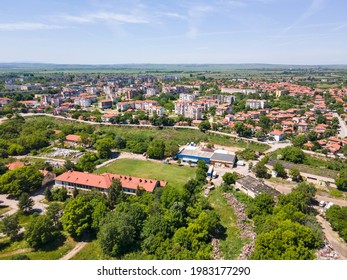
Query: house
[[48, 177], [87, 181], [277, 135], [253, 187], [72, 139], [4, 101], [108, 117], [15, 165]]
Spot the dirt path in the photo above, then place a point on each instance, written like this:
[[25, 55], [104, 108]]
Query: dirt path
[[20, 251], [334, 239], [79, 246]]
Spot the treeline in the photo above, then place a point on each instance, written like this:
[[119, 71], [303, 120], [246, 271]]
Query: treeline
[[337, 216], [18, 137], [286, 229], [169, 224]]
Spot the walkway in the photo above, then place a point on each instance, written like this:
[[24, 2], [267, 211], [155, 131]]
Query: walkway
[[79, 246], [333, 237]]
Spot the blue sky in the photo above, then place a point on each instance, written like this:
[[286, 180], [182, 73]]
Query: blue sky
[[174, 31]]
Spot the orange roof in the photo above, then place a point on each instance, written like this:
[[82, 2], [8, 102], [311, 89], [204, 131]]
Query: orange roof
[[73, 138], [57, 131], [15, 165], [277, 132], [104, 181]]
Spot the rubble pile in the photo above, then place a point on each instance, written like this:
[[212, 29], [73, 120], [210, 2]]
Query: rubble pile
[[244, 224], [327, 252], [217, 254]]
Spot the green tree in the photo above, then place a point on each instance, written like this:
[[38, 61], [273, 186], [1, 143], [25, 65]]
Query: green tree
[[48, 194], [312, 135], [261, 171], [119, 142], [263, 204], [171, 148], [40, 231], [200, 175], [341, 180], [156, 149], [99, 214], [202, 165], [21, 179], [77, 217], [230, 178], [278, 167], [204, 126], [242, 130], [54, 212], [3, 168], [299, 141], [295, 174], [104, 147], [10, 226], [116, 236], [288, 241], [25, 203], [336, 215], [293, 154], [115, 193], [15, 149], [264, 122]]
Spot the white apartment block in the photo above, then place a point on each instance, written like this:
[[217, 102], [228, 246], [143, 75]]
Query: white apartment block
[[186, 97], [255, 104], [193, 112]]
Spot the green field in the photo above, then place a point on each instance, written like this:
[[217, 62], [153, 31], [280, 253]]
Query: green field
[[91, 251], [54, 251], [175, 175], [180, 135]]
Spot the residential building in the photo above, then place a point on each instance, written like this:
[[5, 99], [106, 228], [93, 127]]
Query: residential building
[[105, 104], [4, 101], [87, 181], [72, 140], [277, 135], [187, 97], [255, 103]]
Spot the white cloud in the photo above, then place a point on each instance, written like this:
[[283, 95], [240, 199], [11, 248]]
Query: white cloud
[[105, 16], [28, 26]]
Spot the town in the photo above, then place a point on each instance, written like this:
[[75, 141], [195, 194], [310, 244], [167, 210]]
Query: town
[[163, 160]]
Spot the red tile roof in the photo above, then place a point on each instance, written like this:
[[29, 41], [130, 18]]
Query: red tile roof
[[15, 165], [276, 132], [104, 181], [73, 138]]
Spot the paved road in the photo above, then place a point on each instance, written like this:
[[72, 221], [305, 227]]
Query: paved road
[[343, 126], [37, 197]]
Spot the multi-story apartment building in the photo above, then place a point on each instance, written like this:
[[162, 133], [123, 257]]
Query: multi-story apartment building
[[255, 103]]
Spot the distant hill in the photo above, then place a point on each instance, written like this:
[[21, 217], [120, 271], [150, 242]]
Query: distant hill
[[166, 67]]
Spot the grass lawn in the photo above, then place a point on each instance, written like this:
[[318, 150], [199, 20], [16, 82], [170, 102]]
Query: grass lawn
[[52, 252], [4, 209], [232, 244], [175, 175], [91, 251]]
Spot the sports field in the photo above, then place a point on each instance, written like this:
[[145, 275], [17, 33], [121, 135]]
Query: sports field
[[175, 175]]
